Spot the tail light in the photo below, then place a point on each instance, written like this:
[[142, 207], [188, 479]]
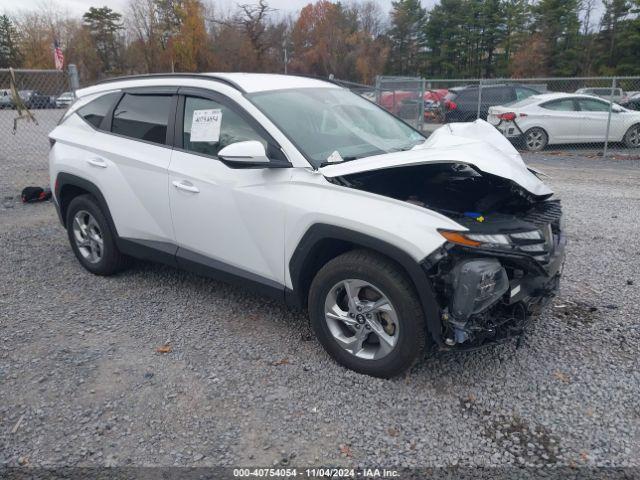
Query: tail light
[[509, 116], [450, 105]]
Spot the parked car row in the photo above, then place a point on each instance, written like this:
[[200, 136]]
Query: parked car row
[[529, 117], [33, 99]]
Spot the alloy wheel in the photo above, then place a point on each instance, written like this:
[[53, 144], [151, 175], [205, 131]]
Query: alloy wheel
[[535, 140], [361, 319], [88, 236]]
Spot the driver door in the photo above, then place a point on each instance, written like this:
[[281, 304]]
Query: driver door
[[228, 220]]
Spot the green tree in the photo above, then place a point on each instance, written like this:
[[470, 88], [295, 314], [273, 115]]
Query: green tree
[[613, 27], [10, 55], [104, 26], [407, 37], [559, 25]]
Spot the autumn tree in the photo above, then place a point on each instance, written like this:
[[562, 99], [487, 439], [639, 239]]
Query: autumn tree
[[190, 41]]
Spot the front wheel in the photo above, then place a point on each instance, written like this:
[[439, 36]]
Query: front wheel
[[366, 314], [535, 139], [632, 137]]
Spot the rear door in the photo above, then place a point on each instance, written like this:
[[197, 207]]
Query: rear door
[[594, 114], [561, 120], [128, 160]]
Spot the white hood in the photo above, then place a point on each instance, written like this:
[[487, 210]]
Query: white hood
[[476, 143]]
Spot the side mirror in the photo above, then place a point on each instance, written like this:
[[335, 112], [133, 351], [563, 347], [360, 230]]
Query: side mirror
[[249, 153], [617, 110]]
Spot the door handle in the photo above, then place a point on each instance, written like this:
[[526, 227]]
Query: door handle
[[97, 162], [186, 186]]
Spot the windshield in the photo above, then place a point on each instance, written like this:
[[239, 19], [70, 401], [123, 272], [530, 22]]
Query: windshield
[[322, 121]]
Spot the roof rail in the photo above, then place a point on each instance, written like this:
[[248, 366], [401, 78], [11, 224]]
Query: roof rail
[[200, 76]]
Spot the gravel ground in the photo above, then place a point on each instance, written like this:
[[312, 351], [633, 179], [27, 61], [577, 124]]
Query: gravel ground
[[83, 385]]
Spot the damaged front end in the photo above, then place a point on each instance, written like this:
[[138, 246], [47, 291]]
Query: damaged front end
[[493, 277], [490, 285]]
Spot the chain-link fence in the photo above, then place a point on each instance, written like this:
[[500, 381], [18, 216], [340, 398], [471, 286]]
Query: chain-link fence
[[584, 116], [25, 122], [590, 116]]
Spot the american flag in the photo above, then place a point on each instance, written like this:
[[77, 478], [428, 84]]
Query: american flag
[[58, 56]]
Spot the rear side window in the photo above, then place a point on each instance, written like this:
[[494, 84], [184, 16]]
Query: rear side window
[[564, 105], [593, 105], [94, 111], [497, 95], [143, 117]]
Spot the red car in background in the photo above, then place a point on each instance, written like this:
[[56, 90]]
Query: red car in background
[[404, 103]]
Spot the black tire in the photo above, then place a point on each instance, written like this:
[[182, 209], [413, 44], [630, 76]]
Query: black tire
[[535, 139], [391, 280], [632, 137], [111, 261]]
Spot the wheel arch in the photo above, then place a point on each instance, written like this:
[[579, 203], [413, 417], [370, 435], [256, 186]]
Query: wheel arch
[[69, 186], [323, 242]]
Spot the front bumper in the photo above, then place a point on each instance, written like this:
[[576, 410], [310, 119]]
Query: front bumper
[[532, 283]]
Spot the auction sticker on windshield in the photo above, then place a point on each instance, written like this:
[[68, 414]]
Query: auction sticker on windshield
[[205, 125]]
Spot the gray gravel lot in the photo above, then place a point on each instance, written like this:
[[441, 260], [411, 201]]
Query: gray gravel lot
[[82, 384]]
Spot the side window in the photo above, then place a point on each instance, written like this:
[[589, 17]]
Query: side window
[[593, 105], [522, 93], [564, 105], [94, 111], [232, 128], [143, 117]]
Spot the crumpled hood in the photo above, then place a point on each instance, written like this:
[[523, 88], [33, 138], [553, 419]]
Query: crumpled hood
[[475, 143]]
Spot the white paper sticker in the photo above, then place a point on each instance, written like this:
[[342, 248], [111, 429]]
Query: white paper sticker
[[205, 125], [335, 157]]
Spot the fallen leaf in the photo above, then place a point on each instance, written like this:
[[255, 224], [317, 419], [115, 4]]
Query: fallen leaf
[[283, 361], [563, 377], [393, 432], [17, 425], [166, 348], [346, 451], [584, 457]]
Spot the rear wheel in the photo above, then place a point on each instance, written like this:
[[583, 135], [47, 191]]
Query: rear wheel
[[91, 238], [632, 137], [366, 314], [535, 139]]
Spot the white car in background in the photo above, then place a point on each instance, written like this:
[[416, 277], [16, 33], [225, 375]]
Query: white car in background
[[557, 118]]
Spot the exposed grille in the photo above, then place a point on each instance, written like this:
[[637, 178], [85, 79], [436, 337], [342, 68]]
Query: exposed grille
[[544, 213], [538, 244]]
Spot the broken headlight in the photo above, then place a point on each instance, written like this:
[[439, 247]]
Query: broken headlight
[[476, 239]]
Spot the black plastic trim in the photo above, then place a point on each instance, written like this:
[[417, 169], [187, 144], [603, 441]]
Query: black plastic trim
[[151, 250], [67, 179], [209, 267], [319, 232]]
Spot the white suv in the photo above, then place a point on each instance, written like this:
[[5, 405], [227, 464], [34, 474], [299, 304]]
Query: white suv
[[318, 197]]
